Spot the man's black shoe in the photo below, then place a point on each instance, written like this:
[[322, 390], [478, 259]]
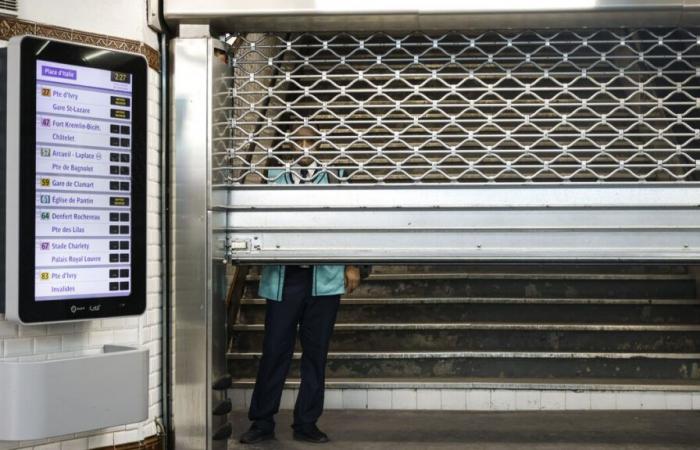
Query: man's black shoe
[[311, 434], [255, 435]]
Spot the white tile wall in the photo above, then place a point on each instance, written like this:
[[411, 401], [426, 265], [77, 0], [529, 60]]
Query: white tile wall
[[488, 399], [42, 342]]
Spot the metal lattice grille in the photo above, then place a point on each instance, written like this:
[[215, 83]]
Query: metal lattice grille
[[594, 105]]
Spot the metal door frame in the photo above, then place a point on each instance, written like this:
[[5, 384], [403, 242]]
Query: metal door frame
[[211, 225], [198, 282]]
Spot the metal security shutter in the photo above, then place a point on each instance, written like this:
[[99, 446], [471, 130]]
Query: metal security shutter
[[508, 146]]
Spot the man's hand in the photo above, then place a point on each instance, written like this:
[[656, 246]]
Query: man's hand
[[352, 278]]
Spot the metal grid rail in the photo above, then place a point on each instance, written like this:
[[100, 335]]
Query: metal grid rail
[[539, 107]]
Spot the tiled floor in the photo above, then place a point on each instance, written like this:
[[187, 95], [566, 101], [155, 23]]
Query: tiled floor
[[405, 430]]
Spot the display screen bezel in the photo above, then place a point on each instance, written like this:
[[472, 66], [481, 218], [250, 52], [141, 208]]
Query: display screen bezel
[[30, 310]]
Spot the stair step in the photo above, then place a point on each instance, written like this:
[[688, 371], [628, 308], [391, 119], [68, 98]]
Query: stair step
[[585, 326], [516, 276], [503, 286], [507, 326], [537, 268], [575, 384], [363, 312], [527, 276], [496, 337], [487, 355], [501, 300], [464, 309], [497, 364]]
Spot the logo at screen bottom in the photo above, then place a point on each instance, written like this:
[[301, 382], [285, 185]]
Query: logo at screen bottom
[[76, 309]]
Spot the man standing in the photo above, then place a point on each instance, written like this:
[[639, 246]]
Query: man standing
[[300, 296]]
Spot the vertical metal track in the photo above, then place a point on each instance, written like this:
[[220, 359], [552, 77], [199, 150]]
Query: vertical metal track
[[198, 329]]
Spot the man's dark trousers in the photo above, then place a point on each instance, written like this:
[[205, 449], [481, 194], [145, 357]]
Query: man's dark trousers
[[316, 318]]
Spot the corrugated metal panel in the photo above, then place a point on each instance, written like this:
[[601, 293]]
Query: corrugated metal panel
[[9, 7], [319, 16]]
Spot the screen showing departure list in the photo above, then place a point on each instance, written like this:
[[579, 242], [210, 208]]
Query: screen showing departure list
[[83, 224]]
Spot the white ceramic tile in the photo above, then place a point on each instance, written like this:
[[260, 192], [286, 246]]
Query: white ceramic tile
[[125, 437], [578, 401], [114, 322], [128, 336], [696, 400], [503, 400], [60, 329], [32, 444], [100, 338], [32, 330], [404, 399], [333, 399], [33, 358], [628, 400], [679, 400], [150, 428], [18, 347], [354, 398], [653, 400], [75, 444], [237, 397], [52, 446], [527, 400], [153, 412], [8, 329], [74, 341], [479, 400], [603, 400], [428, 399], [553, 400], [289, 396], [379, 398], [47, 344], [101, 440], [453, 399]]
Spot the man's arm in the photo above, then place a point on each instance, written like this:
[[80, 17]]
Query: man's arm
[[352, 278]]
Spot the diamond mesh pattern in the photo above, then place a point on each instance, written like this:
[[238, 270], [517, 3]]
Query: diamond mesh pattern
[[566, 106]]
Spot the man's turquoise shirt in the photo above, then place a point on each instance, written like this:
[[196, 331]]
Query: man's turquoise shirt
[[328, 279]]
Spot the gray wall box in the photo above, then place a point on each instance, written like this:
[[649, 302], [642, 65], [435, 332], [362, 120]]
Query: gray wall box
[[57, 397]]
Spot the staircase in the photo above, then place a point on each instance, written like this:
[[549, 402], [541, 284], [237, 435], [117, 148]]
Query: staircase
[[572, 327]]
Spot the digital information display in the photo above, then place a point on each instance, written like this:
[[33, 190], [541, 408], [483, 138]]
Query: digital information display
[[83, 182], [81, 143]]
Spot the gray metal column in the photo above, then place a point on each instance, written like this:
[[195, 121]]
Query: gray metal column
[[198, 321]]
